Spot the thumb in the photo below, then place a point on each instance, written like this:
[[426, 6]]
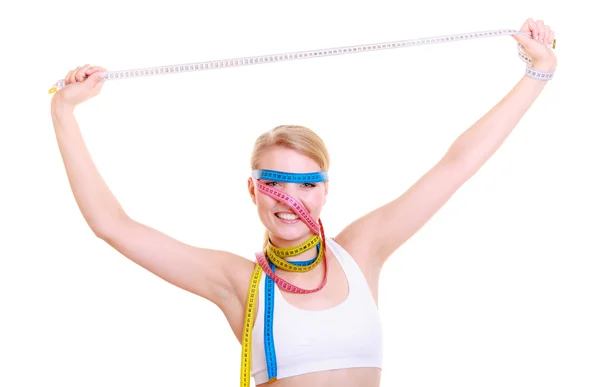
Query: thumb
[[522, 39], [94, 78], [527, 42]]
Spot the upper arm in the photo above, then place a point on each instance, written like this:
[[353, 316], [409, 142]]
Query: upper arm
[[212, 274], [376, 235]]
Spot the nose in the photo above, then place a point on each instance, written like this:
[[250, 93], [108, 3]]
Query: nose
[[293, 190], [288, 188]]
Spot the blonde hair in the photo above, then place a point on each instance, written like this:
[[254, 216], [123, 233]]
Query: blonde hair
[[299, 138]]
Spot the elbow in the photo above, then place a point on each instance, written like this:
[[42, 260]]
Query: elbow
[[459, 155], [459, 168], [467, 163], [100, 233], [106, 229]]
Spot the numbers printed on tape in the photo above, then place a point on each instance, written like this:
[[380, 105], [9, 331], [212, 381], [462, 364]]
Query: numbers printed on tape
[[262, 59]]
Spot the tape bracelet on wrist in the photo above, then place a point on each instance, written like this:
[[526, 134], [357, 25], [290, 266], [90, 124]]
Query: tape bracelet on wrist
[[271, 58]]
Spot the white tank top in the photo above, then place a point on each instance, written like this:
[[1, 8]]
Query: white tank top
[[347, 335]]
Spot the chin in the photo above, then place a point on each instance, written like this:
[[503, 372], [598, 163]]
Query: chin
[[292, 234]]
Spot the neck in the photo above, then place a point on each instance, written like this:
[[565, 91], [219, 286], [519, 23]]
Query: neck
[[287, 243]]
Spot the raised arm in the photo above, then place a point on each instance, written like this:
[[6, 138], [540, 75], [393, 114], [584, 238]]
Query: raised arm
[[218, 276], [372, 238]]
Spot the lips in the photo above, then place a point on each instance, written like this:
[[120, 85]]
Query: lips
[[287, 217]]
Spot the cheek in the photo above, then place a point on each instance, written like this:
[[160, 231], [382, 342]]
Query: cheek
[[264, 203], [314, 202]]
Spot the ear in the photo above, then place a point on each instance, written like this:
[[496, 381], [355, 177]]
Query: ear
[[251, 190]]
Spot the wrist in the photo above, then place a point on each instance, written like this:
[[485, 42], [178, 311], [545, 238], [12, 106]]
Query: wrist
[[543, 66], [58, 107]]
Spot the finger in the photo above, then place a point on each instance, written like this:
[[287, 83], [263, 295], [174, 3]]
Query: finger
[[95, 77], [98, 68], [68, 77], [532, 28], [549, 35], [71, 78], [80, 75], [551, 38], [541, 30], [98, 86], [96, 80], [72, 75], [525, 26], [94, 69]]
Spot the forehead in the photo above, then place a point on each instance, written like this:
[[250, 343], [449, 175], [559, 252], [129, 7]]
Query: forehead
[[286, 160]]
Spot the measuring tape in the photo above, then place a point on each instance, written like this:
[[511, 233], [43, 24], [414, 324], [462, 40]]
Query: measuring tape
[[261, 59], [274, 257]]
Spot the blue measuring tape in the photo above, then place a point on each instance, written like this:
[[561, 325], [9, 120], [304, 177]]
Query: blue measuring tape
[[269, 342], [286, 177], [270, 353]]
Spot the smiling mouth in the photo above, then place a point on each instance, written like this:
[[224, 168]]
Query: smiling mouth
[[286, 216]]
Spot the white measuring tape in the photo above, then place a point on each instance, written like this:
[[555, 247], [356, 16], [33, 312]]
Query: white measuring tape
[[247, 61]]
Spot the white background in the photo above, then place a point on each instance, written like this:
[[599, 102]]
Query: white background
[[500, 288]]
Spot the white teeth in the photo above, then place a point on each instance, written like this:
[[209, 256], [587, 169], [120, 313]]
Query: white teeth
[[286, 216]]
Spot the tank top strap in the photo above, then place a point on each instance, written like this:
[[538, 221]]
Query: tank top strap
[[353, 272]]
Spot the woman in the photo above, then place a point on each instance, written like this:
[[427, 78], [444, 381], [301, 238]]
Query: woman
[[327, 285]]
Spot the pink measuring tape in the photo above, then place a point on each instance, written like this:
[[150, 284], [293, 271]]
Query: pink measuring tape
[[304, 215]]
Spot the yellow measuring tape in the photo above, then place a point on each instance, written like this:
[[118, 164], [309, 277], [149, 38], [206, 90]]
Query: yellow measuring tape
[[274, 255]]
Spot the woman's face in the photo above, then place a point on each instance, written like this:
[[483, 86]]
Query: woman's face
[[312, 196]]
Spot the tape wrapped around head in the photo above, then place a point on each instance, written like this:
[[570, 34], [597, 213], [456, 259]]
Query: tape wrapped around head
[[287, 177]]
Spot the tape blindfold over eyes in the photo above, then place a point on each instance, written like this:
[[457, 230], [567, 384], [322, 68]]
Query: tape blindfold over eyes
[[287, 177]]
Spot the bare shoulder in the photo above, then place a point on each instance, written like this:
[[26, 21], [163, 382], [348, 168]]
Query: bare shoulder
[[361, 251], [356, 246]]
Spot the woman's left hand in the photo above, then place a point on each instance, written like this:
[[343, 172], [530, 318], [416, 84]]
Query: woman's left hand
[[539, 47]]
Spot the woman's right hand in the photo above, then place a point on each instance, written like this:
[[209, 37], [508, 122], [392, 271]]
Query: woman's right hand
[[81, 84]]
